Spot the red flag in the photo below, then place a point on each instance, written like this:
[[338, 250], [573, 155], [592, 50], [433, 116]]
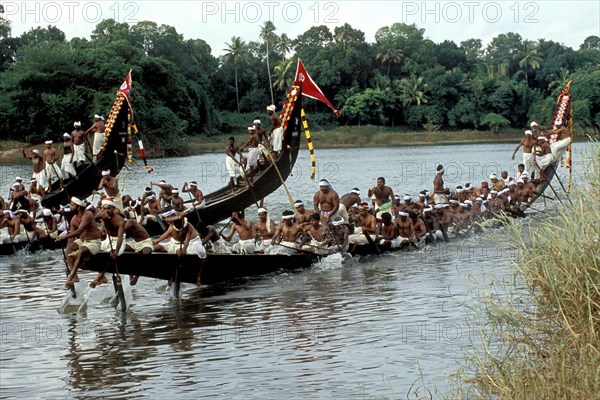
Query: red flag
[[310, 88], [126, 87]]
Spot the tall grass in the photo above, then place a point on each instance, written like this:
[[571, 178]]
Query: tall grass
[[542, 340]]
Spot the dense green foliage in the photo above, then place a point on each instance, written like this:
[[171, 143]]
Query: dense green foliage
[[402, 79]]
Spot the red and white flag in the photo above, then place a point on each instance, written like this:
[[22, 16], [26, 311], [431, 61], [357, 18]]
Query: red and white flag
[[126, 87], [310, 88]]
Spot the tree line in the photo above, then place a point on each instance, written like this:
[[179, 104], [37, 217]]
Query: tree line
[[401, 80]]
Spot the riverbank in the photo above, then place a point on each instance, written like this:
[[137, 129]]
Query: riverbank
[[342, 138]]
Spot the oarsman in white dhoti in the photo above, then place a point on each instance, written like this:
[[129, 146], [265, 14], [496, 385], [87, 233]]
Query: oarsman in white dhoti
[[53, 172], [78, 136], [36, 191], [111, 185], [543, 154], [245, 230], [253, 152], [66, 166], [286, 235], [39, 171], [563, 140], [212, 241], [233, 167], [198, 201], [276, 131], [98, 129], [527, 142]]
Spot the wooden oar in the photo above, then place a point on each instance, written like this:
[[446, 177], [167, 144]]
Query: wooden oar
[[68, 271], [549, 184], [244, 175], [118, 284], [561, 184]]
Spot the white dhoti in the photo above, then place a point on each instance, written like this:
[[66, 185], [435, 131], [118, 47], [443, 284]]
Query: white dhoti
[[358, 237], [53, 172], [316, 247], [342, 212], [36, 197], [98, 142], [283, 248], [195, 247], [544, 161], [559, 148], [66, 167], [79, 153], [276, 139], [244, 247], [138, 247], [253, 154], [233, 168], [41, 177], [191, 206], [110, 243], [218, 247], [92, 245], [440, 198], [528, 162]]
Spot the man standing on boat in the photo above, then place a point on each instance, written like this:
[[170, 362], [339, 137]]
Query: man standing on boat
[[440, 193], [384, 196], [39, 172], [527, 142], [253, 152], [66, 165], [78, 136], [276, 132], [111, 185], [50, 157], [234, 168], [326, 201], [83, 227], [263, 143], [563, 140], [98, 129], [543, 155]]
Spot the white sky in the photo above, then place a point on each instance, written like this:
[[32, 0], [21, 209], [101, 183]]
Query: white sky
[[217, 21]]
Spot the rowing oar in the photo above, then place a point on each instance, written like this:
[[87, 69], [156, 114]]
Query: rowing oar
[[561, 184], [68, 271], [290, 198], [427, 227], [549, 184], [369, 238], [244, 175], [442, 229], [192, 199], [117, 283], [329, 252]]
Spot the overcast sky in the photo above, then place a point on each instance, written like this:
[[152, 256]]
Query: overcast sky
[[217, 21]]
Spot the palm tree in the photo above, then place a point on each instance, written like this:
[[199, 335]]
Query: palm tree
[[561, 77], [236, 53], [283, 45], [411, 90], [529, 56], [390, 54], [267, 35], [282, 78]]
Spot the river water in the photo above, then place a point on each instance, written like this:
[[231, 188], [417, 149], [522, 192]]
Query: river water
[[391, 326]]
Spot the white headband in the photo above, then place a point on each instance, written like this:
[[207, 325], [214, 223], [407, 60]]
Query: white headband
[[108, 202], [48, 142], [287, 216], [169, 213], [271, 108], [298, 204], [256, 121], [97, 116], [261, 210], [77, 124], [106, 172], [79, 202], [403, 214], [66, 135], [407, 197], [528, 132], [355, 191]]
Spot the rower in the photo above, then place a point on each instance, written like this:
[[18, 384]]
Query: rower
[[141, 243], [111, 186], [97, 129], [39, 172], [264, 229], [12, 224], [387, 231], [198, 202], [36, 191], [66, 165], [405, 229], [302, 214], [176, 201], [245, 230], [253, 152], [164, 196], [183, 239], [211, 240], [287, 234], [326, 201], [366, 225], [83, 227], [340, 234], [114, 243], [347, 201], [53, 173], [497, 184], [276, 131], [78, 136], [317, 237], [32, 232], [50, 224]]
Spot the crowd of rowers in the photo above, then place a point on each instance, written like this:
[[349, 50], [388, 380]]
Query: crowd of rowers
[[334, 223]]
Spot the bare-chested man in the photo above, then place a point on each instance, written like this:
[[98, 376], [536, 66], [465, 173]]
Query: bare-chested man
[[212, 240], [39, 170], [111, 186], [32, 232], [141, 243], [66, 166], [83, 227], [176, 201], [497, 184], [285, 238], [50, 224], [339, 234], [97, 129], [263, 140], [276, 131], [326, 201], [302, 214], [561, 142], [406, 228], [12, 224], [253, 152], [542, 155], [317, 237], [440, 193], [245, 230], [366, 225], [264, 229], [79, 144], [198, 201], [387, 231], [183, 239], [164, 196], [527, 142], [234, 168], [51, 155], [384, 195], [347, 201], [36, 190]]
